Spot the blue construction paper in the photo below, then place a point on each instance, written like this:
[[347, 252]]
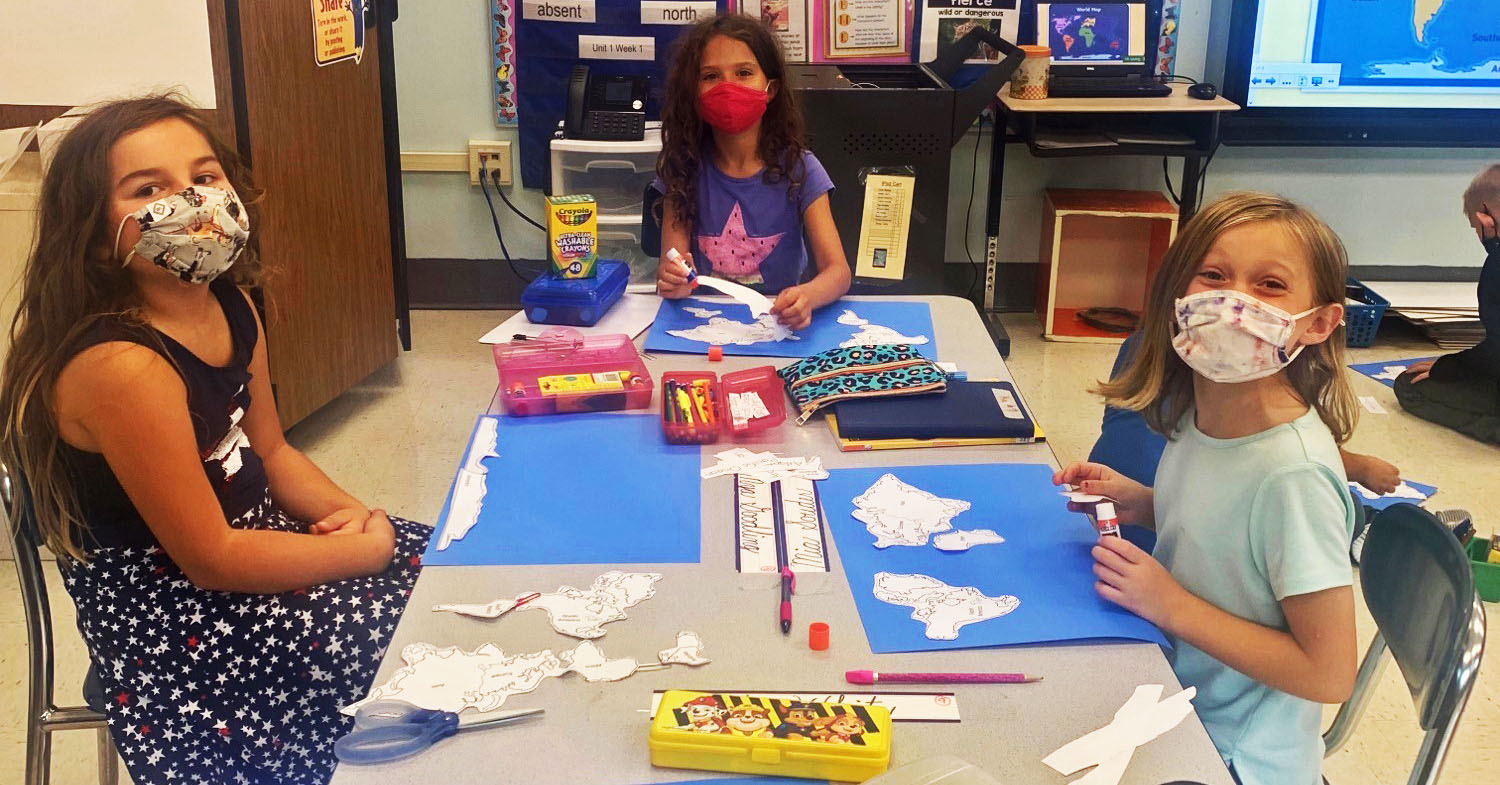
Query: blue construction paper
[[1370, 369], [582, 489], [825, 332], [1044, 560], [1389, 499]]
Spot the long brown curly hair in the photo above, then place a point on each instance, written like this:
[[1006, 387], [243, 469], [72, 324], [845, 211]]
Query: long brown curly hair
[[72, 283], [684, 135]]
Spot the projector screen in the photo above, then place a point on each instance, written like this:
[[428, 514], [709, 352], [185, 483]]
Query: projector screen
[[1378, 70]]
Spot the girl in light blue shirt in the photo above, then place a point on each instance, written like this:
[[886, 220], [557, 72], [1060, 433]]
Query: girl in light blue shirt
[[1240, 366]]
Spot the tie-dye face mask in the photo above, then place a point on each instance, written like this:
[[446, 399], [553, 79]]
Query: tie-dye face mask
[[196, 233]]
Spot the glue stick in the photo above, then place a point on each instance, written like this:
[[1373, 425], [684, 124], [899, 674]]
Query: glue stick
[[1108, 524], [674, 256]]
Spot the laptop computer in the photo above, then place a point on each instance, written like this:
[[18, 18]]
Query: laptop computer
[[1102, 50]]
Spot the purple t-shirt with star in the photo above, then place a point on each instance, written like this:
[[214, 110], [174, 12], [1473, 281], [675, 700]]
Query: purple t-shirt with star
[[749, 231]]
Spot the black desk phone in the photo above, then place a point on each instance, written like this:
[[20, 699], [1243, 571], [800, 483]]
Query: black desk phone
[[610, 107]]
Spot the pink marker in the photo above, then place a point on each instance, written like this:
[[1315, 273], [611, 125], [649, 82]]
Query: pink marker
[[873, 677]]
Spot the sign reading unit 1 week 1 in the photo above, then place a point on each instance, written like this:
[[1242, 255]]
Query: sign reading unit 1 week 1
[[558, 10]]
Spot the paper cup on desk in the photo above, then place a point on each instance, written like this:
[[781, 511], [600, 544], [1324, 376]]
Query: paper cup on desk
[[1030, 80]]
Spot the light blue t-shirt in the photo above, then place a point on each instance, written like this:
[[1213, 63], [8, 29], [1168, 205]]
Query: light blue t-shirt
[[1244, 523]]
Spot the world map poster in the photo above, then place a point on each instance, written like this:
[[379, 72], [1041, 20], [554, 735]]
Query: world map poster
[[1420, 43]]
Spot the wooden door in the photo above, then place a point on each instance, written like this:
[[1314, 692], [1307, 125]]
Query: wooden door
[[314, 140]]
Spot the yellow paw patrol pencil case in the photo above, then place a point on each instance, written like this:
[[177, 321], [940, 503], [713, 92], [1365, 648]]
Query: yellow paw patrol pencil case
[[745, 734]]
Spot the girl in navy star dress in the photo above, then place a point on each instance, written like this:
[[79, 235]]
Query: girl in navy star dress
[[231, 595]]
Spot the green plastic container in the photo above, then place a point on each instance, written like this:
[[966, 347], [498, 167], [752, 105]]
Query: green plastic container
[[1486, 576]]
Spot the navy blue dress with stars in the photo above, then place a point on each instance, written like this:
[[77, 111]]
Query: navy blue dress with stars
[[213, 686]]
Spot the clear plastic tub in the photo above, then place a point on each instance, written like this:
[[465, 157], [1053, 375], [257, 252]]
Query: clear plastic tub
[[565, 372]]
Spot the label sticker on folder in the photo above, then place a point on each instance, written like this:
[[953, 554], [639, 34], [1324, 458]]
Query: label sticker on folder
[[1008, 405]]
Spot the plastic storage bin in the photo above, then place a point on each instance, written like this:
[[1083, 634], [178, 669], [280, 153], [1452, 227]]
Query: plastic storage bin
[[1362, 317], [563, 371], [580, 302], [1486, 575], [753, 735], [616, 173], [620, 238], [738, 404]]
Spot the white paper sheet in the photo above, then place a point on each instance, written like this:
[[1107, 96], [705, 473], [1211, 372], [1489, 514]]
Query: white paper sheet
[[766, 465], [901, 514], [582, 613], [755, 516], [1141, 719], [1371, 404], [630, 316], [1427, 294], [72, 52], [759, 304], [942, 608]]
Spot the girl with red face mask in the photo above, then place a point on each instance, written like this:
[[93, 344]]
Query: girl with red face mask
[[743, 197]]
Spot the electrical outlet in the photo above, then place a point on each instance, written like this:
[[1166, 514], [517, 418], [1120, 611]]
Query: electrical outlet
[[489, 155]]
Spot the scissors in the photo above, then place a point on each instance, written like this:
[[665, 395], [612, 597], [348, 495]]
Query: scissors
[[389, 730]]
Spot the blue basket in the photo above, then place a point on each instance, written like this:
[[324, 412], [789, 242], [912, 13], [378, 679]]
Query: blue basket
[[1362, 319]]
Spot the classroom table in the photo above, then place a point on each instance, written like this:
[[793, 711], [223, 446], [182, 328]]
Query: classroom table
[[595, 733]]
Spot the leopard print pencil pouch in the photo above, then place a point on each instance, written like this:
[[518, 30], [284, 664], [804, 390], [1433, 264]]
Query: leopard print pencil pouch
[[859, 372]]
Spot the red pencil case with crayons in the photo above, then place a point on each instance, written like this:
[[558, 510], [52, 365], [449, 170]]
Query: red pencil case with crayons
[[699, 407]]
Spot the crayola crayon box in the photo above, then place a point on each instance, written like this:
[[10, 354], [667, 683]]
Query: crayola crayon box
[[573, 235], [750, 734]]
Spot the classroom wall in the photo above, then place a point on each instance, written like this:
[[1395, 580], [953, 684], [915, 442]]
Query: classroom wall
[[1391, 206]]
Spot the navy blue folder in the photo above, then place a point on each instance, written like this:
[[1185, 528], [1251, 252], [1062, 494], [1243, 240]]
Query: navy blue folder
[[968, 410]]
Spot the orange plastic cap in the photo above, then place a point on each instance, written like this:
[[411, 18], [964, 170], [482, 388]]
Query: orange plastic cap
[[715, 353], [817, 636]]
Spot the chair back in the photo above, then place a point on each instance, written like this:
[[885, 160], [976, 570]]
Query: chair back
[[650, 224], [25, 542], [1419, 587]]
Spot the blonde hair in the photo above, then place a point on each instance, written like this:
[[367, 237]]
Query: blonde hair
[[71, 285], [1159, 385], [1483, 191]]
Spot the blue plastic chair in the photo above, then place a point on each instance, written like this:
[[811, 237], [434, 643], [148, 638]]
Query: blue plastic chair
[[43, 715], [1419, 587]]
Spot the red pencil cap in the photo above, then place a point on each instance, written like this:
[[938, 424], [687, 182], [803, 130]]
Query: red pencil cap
[[715, 353], [817, 636]]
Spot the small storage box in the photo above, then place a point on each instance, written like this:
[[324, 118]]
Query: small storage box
[[1363, 310], [616, 173], [580, 302], [752, 735], [699, 407], [563, 371], [1486, 575], [620, 238]]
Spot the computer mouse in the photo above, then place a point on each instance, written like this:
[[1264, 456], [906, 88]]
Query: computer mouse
[[1203, 91]]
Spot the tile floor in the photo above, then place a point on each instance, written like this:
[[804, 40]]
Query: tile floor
[[390, 440]]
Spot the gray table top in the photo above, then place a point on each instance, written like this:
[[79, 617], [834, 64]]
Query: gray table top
[[596, 733]]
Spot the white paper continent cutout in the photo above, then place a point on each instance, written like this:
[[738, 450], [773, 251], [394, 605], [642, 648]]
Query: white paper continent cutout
[[688, 651], [701, 313], [900, 514], [1403, 491], [582, 613], [874, 334], [469, 488], [1390, 373], [942, 608], [720, 331], [966, 539], [588, 661], [453, 680]]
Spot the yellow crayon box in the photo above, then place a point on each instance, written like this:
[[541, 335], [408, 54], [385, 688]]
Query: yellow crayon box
[[573, 235], [747, 734]]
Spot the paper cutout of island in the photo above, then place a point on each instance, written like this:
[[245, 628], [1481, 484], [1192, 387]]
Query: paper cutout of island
[[720, 331], [942, 608], [901, 514], [469, 488], [964, 540], [453, 680], [875, 334], [688, 651], [582, 613]]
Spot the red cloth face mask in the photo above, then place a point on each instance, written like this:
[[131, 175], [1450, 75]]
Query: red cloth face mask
[[732, 108]]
